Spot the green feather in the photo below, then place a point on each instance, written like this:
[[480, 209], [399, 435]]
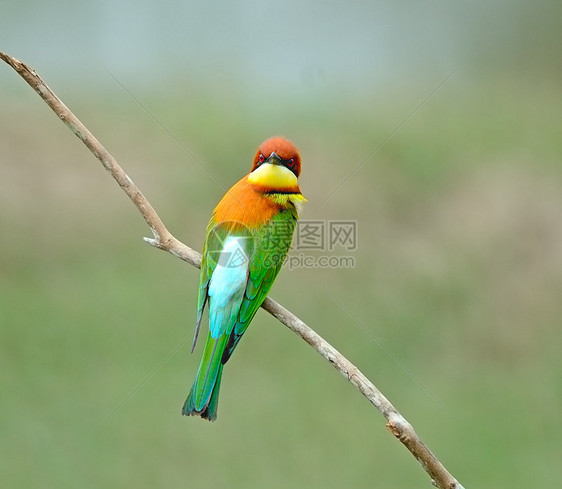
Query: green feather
[[268, 248], [206, 387]]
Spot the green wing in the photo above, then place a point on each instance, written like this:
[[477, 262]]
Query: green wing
[[214, 238], [271, 245]]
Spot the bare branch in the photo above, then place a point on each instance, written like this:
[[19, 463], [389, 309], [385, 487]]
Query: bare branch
[[164, 240]]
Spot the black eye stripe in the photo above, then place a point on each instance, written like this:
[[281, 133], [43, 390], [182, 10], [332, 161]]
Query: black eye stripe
[[289, 163]]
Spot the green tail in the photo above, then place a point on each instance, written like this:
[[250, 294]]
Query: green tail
[[204, 394]]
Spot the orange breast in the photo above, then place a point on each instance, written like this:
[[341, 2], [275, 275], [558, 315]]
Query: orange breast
[[243, 203]]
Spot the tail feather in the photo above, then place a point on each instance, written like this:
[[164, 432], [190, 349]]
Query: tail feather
[[204, 394], [208, 410]]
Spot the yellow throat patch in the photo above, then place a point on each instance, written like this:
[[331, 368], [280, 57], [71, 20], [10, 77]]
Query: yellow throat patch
[[276, 177]]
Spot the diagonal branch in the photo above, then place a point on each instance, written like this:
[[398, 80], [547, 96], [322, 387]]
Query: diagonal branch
[[164, 240]]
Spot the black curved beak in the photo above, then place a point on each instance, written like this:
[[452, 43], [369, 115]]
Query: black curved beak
[[274, 159]]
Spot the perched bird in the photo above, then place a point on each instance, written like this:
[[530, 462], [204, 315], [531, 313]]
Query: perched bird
[[247, 240]]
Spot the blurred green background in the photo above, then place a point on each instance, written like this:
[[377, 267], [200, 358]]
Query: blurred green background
[[458, 268]]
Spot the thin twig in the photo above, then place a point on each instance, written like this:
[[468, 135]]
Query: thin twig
[[164, 240]]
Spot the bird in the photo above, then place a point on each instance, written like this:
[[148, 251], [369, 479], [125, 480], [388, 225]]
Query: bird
[[247, 240]]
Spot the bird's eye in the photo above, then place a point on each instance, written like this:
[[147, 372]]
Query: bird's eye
[[261, 158], [291, 162]]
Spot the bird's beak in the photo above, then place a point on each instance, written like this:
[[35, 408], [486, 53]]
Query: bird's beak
[[274, 159]]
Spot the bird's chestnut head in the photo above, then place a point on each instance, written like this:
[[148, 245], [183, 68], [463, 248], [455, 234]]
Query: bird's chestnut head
[[278, 151]]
